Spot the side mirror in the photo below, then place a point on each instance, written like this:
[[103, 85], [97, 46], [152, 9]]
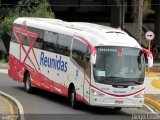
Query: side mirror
[[149, 57], [93, 59], [150, 61]]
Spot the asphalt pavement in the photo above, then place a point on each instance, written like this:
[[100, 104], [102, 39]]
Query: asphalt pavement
[[8, 108], [43, 105]]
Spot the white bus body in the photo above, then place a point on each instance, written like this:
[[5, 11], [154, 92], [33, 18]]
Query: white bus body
[[94, 64]]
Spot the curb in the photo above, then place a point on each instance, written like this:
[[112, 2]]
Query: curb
[[19, 105], [5, 71], [150, 74], [152, 102]]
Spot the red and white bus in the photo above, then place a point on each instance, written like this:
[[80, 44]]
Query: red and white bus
[[90, 63]]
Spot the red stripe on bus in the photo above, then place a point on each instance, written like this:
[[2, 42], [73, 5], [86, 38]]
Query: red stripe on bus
[[24, 30], [38, 79], [115, 95], [92, 48], [149, 54]]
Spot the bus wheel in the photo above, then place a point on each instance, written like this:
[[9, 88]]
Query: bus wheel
[[73, 100], [27, 83], [118, 108]]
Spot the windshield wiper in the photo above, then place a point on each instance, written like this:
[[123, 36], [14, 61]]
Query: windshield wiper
[[114, 79], [124, 81], [110, 79], [112, 75], [139, 83]]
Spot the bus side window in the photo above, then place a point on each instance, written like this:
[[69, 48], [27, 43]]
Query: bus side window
[[50, 41], [78, 51], [87, 63], [64, 44], [39, 41], [13, 38], [25, 40], [81, 55]]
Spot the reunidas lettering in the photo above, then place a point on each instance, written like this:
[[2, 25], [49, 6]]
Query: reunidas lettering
[[55, 63]]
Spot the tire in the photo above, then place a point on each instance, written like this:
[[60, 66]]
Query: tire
[[117, 108], [73, 100], [27, 83]]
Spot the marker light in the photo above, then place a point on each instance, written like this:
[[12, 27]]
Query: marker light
[[96, 93], [140, 95]]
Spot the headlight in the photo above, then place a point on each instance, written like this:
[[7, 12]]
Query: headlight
[[140, 95], [96, 93]]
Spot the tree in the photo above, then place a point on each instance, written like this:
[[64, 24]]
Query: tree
[[138, 18], [140, 10], [157, 22], [24, 8]]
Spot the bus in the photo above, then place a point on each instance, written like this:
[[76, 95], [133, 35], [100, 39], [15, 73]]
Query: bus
[[89, 63]]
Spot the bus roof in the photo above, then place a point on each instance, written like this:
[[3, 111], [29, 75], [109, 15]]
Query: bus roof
[[98, 35]]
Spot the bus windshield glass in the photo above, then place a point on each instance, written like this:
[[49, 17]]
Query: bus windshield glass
[[119, 66]]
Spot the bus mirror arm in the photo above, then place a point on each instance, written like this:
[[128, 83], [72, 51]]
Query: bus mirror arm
[[93, 59], [150, 61], [149, 57]]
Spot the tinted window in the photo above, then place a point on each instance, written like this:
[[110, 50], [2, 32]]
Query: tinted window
[[39, 41], [116, 65], [15, 34], [50, 40], [81, 54], [24, 39], [13, 38], [64, 44]]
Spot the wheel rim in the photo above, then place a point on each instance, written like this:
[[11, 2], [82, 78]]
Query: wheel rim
[[27, 84]]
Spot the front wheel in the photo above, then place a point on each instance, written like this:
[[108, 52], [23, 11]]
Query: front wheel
[[27, 83], [73, 100]]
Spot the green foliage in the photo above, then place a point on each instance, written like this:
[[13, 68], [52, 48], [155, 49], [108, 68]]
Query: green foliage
[[146, 7], [26, 8]]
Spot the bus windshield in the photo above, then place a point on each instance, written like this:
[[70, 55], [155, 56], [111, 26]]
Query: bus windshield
[[119, 66]]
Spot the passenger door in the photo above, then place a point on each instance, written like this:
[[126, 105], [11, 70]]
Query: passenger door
[[80, 51]]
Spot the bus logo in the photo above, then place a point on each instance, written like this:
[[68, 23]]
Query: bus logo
[[56, 63]]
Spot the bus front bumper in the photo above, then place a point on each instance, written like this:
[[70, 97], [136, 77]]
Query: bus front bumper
[[118, 102]]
